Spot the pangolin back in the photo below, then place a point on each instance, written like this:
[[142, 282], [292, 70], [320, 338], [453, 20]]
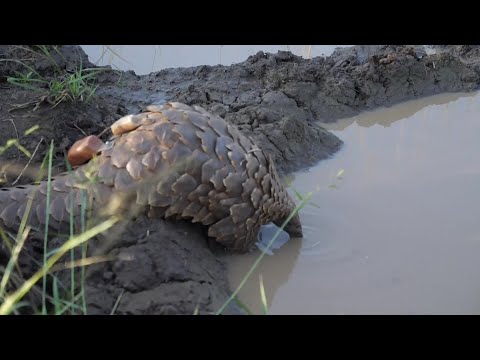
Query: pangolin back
[[177, 161]]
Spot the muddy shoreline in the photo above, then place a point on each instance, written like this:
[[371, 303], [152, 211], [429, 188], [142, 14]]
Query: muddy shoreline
[[278, 99]]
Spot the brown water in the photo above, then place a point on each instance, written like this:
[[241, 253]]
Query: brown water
[[400, 233]]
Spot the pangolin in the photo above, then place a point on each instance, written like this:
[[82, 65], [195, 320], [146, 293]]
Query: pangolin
[[172, 160]]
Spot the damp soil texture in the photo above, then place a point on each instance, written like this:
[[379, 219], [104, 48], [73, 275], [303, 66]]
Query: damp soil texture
[[280, 100]]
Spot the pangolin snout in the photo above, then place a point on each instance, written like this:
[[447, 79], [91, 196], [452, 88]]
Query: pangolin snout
[[294, 227]]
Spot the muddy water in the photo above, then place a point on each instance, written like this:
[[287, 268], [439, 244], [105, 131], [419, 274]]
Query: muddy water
[[399, 233], [144, 59]]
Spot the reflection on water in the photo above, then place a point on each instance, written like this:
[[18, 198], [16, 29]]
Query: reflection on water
[[388, 116], [144, 59], [400, 232], [275, 271]]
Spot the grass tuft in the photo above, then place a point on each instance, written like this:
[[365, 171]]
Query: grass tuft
[[74, 86]]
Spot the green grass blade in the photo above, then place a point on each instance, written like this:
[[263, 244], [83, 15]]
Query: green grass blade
[[83, 210], [263, 296], [15, 142], [31, 130], [16, 82], [49, 56], [12, 262], [56, 296], [71, 220], [47, 218], [70, 305], [242, 305], [14, 298], [23, 64], [298, 195], [117, 302]]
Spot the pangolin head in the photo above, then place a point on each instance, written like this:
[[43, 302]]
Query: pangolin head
[[276, 206], [285, 204]]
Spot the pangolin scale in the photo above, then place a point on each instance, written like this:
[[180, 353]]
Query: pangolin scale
[[179, 161]]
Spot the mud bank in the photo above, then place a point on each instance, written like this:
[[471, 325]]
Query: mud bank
[[278, 99]]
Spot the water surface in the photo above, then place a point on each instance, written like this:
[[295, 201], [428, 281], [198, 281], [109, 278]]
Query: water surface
[[400, 232]]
